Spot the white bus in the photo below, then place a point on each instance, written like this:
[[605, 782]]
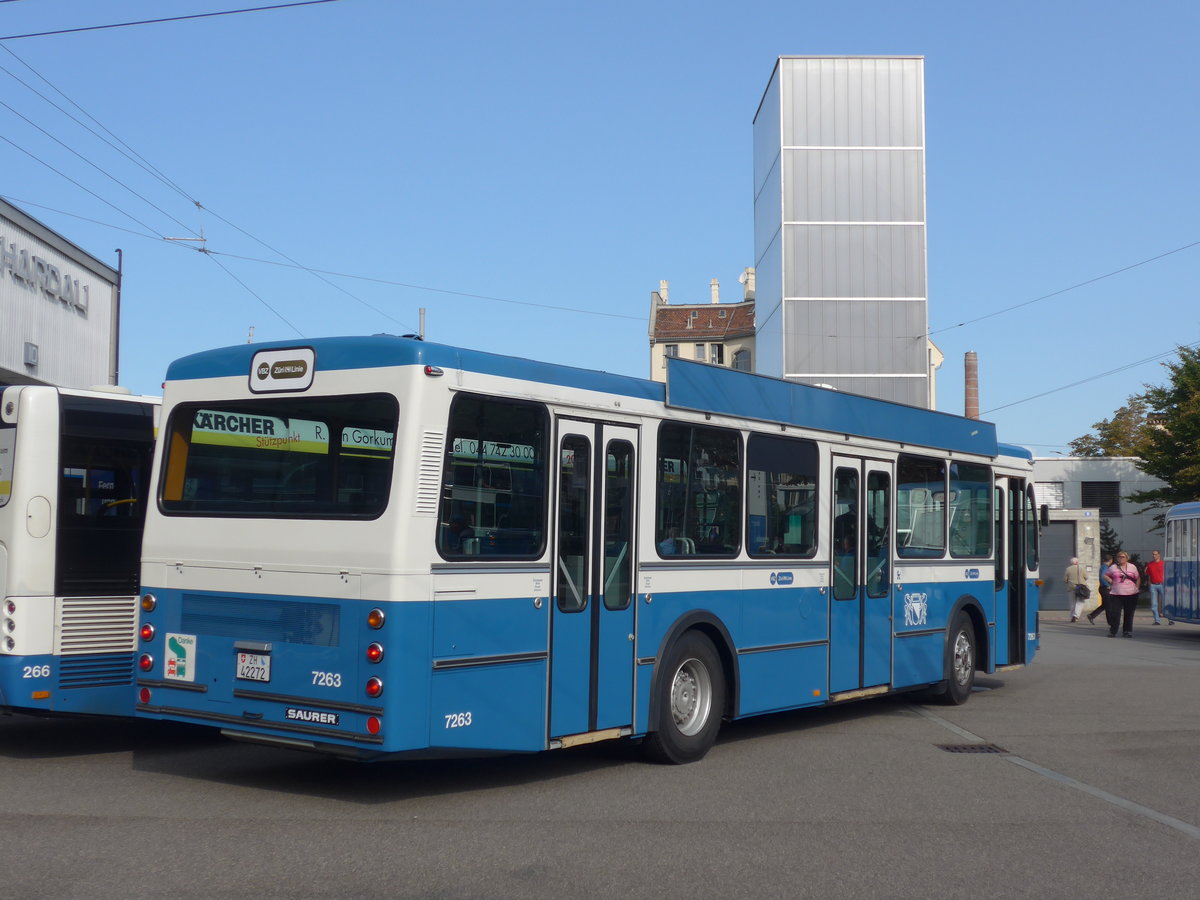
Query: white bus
[[74, 471], [371, 546]]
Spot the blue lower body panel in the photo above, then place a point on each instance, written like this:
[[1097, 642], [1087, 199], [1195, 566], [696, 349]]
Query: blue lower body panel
[[94, 684]]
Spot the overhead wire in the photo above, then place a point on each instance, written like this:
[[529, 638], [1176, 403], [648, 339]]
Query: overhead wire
[[128, 152], [62, 212], [1132, 365], [78, 185], [139, 160], [228, 12], [1065, 290], [106, 174]]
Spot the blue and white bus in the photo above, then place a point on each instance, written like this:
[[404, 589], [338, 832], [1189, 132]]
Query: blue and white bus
[[1181, 570], [74, 476], [378, 545]]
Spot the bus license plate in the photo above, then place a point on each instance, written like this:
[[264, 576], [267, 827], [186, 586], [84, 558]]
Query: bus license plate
[[254, 667]]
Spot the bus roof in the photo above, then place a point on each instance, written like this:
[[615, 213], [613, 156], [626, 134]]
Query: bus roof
[[1182, 510], [690, 386], [707, 388]]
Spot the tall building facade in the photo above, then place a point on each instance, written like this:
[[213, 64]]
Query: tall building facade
[[839, 226]]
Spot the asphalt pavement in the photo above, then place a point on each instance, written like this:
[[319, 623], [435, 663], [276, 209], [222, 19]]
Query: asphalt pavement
[[1088, 786]]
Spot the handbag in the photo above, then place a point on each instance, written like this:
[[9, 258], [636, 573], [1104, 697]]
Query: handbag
[[1082, 592]]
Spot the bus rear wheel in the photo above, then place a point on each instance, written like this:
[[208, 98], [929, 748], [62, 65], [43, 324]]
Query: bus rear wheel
[[690, 700], [960, 661]]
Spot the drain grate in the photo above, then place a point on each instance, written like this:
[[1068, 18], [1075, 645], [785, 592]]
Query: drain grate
[[971, 748]]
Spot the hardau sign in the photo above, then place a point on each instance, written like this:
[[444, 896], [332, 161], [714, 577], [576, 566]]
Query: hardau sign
[[37, 274]]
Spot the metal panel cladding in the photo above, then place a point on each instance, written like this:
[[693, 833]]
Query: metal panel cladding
[[847, 224]]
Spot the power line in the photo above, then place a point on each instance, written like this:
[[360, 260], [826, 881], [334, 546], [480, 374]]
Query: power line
[[313, 272], [257, 297], [1065, 290], [62, 212], [132, 155], [77, 184], [152, 170], [108, 175], [434, 290], [228, 12], [1091, 378]]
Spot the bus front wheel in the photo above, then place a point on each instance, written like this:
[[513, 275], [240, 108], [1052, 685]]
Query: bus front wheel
[[690, 699], [960, 661]]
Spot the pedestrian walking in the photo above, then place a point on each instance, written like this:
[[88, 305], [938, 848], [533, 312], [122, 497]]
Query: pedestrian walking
[[1155, 570], [1077, 589], [1104, 587], [1123, 595]]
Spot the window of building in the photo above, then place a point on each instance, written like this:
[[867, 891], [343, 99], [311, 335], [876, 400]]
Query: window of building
[[700, 352], [718, 354], [741, 361], [670, 349], [1102, 495], [720, 313], [1050, 493]]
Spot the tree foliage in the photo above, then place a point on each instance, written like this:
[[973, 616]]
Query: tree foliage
[[1122, 435], [1170, 445]]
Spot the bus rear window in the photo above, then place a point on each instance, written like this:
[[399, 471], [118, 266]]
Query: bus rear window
[[277, 457]]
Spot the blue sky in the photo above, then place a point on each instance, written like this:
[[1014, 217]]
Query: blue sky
[[528, 171]]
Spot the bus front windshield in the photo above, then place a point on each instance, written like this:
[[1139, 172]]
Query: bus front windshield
[[281, 457]]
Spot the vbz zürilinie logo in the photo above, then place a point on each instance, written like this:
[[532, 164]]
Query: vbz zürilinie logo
[[289, 368]]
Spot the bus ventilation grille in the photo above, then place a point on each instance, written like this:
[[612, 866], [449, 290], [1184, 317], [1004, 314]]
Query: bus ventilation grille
[[971, 748], [89, 625], [262, 619], [100, 670]]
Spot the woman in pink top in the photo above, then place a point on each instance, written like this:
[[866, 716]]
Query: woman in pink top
[[1124, 594]]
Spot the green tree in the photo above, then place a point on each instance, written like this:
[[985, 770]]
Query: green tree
[[1122, 435], [1110, 541], [1170, 446]]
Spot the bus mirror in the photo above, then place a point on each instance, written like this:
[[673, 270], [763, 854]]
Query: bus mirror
[[1045, 517]]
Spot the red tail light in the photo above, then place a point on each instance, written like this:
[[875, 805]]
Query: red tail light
[[374, 687], [145, 662], [374, 652], [147, 632], [144, 695], [374, 726]]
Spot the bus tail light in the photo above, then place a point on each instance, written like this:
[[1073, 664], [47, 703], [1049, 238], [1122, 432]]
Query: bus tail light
[[149, 601], [145, 662], [374, 687], [375, 618], [374, 652], [144, 695], [147, 632], [10, 607], [374, 725], [9, 643]]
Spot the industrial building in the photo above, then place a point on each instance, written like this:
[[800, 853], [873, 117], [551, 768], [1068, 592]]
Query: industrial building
[[59, 308]]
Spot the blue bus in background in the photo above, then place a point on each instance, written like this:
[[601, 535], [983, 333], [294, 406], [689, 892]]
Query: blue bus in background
[[1181, 572], [379, 546]]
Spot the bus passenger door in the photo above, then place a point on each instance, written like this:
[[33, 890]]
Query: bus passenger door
[[860, 604], [1013, 521], [592, 620]]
